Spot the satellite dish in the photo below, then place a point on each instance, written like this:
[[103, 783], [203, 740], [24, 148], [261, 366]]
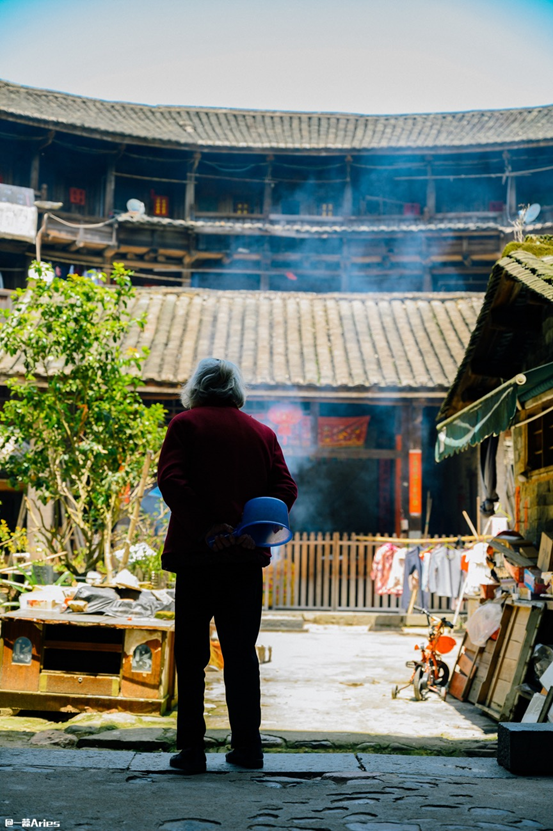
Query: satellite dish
[[532, 212], [529, 213], [136, 207]]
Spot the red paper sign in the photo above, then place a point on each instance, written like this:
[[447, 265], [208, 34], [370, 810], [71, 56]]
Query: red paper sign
[[160, 204], [343, 432], [292, 427], [415, 482], [77, 196]]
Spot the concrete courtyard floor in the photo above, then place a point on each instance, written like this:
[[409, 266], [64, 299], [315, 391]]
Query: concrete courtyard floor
[[327, 687], [338, 680]]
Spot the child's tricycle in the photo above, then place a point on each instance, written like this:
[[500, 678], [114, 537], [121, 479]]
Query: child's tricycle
[[430, 673]]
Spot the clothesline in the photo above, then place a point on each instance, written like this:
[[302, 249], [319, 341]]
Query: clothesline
[[408, 541]]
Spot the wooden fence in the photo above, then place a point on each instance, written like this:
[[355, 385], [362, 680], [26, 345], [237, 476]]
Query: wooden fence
[[329, 572]]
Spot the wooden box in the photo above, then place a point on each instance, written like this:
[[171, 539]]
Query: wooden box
[[71, 663], [545, 557]]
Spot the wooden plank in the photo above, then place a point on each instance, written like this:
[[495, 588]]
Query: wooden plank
[[465, 668], [465, 664], [505, 626], [280, 564], [266, 581], [304, 566], [327, 551], [62, 682], [296, 560], [481, 672], [507, 669], [319, 570], [335, 570], [369, 584], [81, 646], [458, 686], [311, 570], [352, 599], [501, 689], [534, 620], [361, 574], [344, 560], [546, 707], [289, 574]]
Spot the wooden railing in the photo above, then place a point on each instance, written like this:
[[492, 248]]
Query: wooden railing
[[329, 572]]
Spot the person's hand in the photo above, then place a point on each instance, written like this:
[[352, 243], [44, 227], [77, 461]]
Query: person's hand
[[245, 541], [220, 537]]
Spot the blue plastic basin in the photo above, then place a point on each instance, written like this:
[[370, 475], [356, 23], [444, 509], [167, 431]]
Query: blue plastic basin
[[265, 520]]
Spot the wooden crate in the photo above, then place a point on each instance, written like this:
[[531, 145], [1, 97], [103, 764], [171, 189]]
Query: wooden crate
[[465, 669], [509, 657], [72, 663]]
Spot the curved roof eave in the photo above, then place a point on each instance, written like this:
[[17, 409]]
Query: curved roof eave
[[200, 128]]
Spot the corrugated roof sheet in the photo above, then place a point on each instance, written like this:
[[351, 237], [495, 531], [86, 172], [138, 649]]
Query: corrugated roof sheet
[[264, 130]]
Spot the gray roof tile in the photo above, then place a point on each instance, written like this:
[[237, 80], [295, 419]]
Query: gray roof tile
[[340, 342], [199, 127]]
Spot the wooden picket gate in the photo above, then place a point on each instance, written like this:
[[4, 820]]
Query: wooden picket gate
[[328, 572]]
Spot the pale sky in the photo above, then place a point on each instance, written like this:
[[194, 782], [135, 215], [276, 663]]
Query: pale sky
[[361, 56]]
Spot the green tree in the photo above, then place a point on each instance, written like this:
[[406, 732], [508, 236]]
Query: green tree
[[75, 428]]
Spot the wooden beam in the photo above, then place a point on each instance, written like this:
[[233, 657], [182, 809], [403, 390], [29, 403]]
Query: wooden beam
[[109, 191], [190, 191], [268, 189], [347, 204], [430, 208]]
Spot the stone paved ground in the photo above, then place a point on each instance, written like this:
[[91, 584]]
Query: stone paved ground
[[91, 790]]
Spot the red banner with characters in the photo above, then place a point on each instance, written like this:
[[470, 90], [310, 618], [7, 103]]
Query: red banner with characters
[[415, 482], [343, 431], [293, 428]]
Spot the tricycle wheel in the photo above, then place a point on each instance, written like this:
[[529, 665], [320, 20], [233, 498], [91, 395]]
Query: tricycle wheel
[[420, 684], [441, 674], [395, 691]]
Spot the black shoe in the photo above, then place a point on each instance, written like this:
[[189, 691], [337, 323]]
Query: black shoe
[[252, 759], [189, 761]]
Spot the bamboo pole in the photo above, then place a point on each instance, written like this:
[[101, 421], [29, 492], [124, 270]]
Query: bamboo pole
[[471, 524], [13, 569], [425, 540], [136, 511], [108, 562]]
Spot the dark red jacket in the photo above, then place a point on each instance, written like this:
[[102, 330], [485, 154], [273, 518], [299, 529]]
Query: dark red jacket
[[215, 458]]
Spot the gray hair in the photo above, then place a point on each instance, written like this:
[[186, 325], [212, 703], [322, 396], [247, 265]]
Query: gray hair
[[214, 379]]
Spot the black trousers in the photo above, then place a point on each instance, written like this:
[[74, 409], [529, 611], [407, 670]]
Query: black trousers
[[233, 596]]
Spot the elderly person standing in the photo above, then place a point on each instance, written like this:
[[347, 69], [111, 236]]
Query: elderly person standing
[[213, 460]]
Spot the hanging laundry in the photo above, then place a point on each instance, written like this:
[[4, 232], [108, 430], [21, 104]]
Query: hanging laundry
[[382, 566], [412, 578], [478, 573], [444, 573], [395, 580]]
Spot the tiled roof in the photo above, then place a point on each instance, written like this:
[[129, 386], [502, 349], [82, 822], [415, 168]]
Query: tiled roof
[[302, 342], [305, 342], [257, 129], [501, 346], [284, 227]]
